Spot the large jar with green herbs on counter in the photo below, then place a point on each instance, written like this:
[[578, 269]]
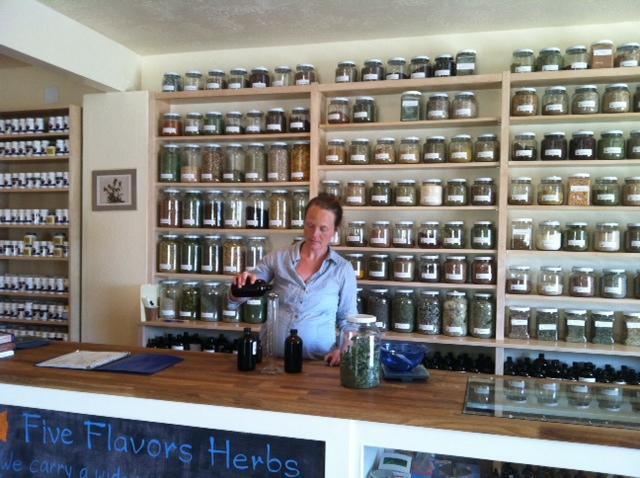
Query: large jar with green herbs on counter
[[360, 352]]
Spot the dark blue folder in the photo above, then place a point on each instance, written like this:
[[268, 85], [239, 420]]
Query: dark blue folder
[[143, 364]]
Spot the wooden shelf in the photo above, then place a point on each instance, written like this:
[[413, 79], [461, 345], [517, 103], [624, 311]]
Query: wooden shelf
[[407, 167], [439, 339], [34, 226], [558, 119], [421, 208], [200, 325], [53, 323], [401, 125], [34, 258], [201, 277], [568, 347], [32, 136], [39, 190], [235, 138], [576, 208], [262, 185], [386, 87], [226, 232], [243, 94], [593, 163], [426, 285], [576, 77], [35, 295], [32, 159], [412, 250], [566, 300], [589, 255]]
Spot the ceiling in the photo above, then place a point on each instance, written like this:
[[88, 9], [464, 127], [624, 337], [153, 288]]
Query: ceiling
[[151, 27]]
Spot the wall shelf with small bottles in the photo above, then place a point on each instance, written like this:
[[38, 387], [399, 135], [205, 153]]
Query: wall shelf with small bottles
[[40, 164]]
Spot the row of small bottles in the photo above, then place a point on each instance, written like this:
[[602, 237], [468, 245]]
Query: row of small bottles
[[460, 362], [574, 237], [210, 163], [459, 149], [235, 209], [432, 192]]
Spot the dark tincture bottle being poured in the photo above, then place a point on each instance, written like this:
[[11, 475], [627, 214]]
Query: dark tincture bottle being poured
[[293, 353]]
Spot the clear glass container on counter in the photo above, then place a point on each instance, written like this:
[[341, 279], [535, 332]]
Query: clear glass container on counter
[[524, 147], [519, 280], [233, 255], [360, 353], [550, 281], [430, 235], [346, 72], [234, 164], [234, 210], [279, 209], [403, 311], [380, 234], [169, 299], [455, 314], [385, 151], [168, 253], [211, 260], [169, 208]]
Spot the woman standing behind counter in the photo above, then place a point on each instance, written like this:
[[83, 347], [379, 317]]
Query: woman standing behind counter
[[316, 286]]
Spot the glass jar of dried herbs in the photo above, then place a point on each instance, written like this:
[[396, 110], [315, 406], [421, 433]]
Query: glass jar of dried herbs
[[360, 352], [455, 314]]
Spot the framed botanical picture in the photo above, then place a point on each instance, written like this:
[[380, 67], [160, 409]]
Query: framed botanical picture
[[114, 190]]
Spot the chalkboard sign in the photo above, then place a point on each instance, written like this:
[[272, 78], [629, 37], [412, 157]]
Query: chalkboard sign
[[46, 443]]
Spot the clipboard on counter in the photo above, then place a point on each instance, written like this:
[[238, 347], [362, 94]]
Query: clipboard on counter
[[117, 362], [83, 360]]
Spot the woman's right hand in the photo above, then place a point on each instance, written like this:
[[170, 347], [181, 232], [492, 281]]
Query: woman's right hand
[[243, 278]]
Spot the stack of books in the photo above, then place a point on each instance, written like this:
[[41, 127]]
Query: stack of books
[[7, 345]]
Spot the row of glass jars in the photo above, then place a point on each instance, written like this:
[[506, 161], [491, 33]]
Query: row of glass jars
[[210, 163], [193, 254], [612, 145], [459, 149], [207, 301], [581, 282], [432, 192], [464, 63], [576, 325], [429, 235], [431, 313], [428, 268], [575, 237], [601, 54], [552, 191], [260, 77], [616, 98], [235, 209], [275, 121]]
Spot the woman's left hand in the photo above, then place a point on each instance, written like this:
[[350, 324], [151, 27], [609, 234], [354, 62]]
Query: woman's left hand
[[333, 358]]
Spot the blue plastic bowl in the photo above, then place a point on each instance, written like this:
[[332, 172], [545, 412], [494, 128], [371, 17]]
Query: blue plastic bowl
[[402, 356]]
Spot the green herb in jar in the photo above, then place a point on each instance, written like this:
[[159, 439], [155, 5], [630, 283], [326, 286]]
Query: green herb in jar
[[360, 364]]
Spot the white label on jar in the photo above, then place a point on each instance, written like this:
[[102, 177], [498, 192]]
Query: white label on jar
[[252, 222], [188, 222], [227, 175], [206, 315], [342, 79], [358, 158], [485, 154], [185, 313], [613, 290], [361, 114], [251, 175], [275, 222], [633, 325], [606, 197], [603, 52], [168, 88], [231, 222], [546, 326], [525, 108], [258, 84], [609, 245], [484, 276], [524, 69], [209, 128], [302, 82], [450, 276], [459, 155], [188, 177], [400, 240], [431, 156], [370, 77], [410, 103], [297, 175], [552, 243], [382, 156], [551, 289], [516, 322], [169, 130], [376, 273], [613, 150], [209, 222], [207, 268], [635, 243], [580, 389], [379, 198], [428, 240], [403, 275], [353, 238], [278, 82], [253, 128], [463, 112], [334, 116], [186, 267], [618, 105], [602, 324], [273, 176], [579, 65], [408, 157], [191, 129], [296, 125], [190, 87], [230, 269], [380, 325], [553, 152], [554, 107], [520, 197], [418, 74], [274, 127], [455, 198], [451, 240], [482, 198], [233, 129], [429, 275], [442, 73], [575, 322], [331, 158], [584, 104], [393, 76], [378, 240], [402, 326], [165, 267], [515, 286], [524, 152], [427, 327], [584, 152], [626, 63], [206, 176], [549, 67], [550, 197], [213, 86], [431, 200], [478, 331], [436, 114], [355, 200], [404, 199], [168, 313], [633, 197], [582, 290], [234, 86], [465, 66], [482, 240], [165, 221], [454, 330], [297, 222], [577, 188], [166, 175], [254, 302], [636, 149], [229, 313]]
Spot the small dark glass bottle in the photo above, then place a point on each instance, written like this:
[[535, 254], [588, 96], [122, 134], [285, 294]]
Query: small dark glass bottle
[[293, 353], [247, 351]]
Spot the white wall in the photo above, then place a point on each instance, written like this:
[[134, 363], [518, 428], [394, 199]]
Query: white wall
[[114, 243]]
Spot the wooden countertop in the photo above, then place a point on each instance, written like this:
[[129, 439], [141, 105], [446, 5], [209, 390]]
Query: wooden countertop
[[213, 379]]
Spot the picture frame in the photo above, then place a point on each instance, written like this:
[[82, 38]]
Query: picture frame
[[114, 190]]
